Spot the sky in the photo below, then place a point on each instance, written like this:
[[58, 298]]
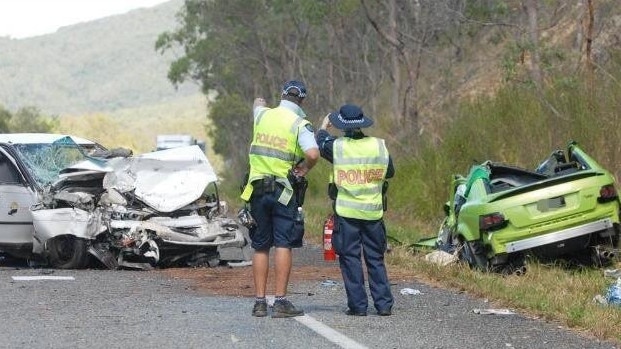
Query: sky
[[26, 18]]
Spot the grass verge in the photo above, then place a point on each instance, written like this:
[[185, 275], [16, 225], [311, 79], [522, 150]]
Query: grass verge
[[548, 292]]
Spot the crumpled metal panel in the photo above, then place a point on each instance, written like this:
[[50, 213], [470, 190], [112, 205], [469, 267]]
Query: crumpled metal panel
[[142, 211], [165, 180], [50, 223], [198, 230]]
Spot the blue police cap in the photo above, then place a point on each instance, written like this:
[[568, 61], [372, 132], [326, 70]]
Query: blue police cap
[[294, 88]]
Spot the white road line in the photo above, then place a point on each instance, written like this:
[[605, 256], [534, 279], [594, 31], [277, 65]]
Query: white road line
[[43, 277], [329, 333]]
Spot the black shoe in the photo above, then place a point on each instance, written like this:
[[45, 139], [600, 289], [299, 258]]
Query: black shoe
[[355, 313], [259, 309], [284, 308], [384, 312]]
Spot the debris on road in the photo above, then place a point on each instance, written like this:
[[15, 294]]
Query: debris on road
[[442, 258], [493, 311], [329, 283], [409, 291]]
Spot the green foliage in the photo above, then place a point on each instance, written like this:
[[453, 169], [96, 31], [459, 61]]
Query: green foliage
[[330, 45], [317, 11], [27, 119], [5, 117], [30, 119], [510, 61], [517, 126], [230, 50], [486, 10], [221, 43], [231, 115]]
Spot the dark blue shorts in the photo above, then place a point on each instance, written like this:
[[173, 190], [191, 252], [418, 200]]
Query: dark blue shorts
[[276, 224]]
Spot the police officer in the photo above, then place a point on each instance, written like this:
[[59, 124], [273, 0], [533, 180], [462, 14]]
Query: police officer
[[283, 150], [361, 165]]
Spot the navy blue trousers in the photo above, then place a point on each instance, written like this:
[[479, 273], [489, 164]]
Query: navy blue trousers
[[355, 240]]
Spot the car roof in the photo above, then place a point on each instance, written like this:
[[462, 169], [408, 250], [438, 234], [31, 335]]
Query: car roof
[[38, 138]]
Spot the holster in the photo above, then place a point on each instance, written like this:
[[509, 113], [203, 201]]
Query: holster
[[299, 185], [332, 191], [244, 183], [385, 195]]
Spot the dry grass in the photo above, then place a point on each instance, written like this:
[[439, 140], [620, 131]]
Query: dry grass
[[549, 292]]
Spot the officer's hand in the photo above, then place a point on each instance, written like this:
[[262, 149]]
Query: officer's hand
[[326, 122], [300, 170], [258, 102]]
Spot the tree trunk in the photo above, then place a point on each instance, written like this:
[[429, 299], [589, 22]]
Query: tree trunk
[[533, 31], [589, 42], [397, 113]]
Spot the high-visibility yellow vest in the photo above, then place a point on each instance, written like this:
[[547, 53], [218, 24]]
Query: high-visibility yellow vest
[[359, 173], [274, 149]]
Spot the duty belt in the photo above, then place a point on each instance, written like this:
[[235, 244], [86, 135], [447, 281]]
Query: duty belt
[[265, 185]]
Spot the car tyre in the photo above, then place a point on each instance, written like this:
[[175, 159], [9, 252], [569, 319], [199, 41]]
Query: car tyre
[[68, 252], [473, 253]]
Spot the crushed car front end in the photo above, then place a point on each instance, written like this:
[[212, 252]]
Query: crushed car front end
[[153, 210]]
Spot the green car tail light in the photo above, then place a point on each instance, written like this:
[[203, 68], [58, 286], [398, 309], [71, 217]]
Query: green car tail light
[[491, 222], [607, 193]]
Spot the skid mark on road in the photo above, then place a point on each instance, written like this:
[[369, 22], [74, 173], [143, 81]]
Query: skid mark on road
[[329, 333]]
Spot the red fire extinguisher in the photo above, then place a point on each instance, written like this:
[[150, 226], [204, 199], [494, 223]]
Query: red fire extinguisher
[[328, 250]]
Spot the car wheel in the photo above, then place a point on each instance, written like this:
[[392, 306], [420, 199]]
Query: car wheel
[[68, 252], [473, 253]]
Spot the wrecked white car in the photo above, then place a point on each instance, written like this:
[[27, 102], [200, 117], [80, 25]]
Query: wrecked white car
[[65, 200]]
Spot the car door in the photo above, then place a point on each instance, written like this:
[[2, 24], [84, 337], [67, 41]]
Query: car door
[[16, 197]]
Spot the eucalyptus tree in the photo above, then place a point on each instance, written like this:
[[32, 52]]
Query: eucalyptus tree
[[226, 49], [344, 50], [30, 119], [412, 31], [243, 49]]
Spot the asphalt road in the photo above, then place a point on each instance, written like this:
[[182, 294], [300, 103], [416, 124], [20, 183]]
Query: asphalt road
[[131, 309]]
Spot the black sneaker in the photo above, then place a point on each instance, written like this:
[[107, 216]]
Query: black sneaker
[[384, 312], [259, 309], [284, 308], [355, 313]]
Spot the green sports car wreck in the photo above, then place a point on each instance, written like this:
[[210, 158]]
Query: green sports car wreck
[[567, 208]]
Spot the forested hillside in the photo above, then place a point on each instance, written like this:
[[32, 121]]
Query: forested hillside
[[99, 66]]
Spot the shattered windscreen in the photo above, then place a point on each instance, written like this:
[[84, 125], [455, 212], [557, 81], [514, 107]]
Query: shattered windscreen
[[46, 160]]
